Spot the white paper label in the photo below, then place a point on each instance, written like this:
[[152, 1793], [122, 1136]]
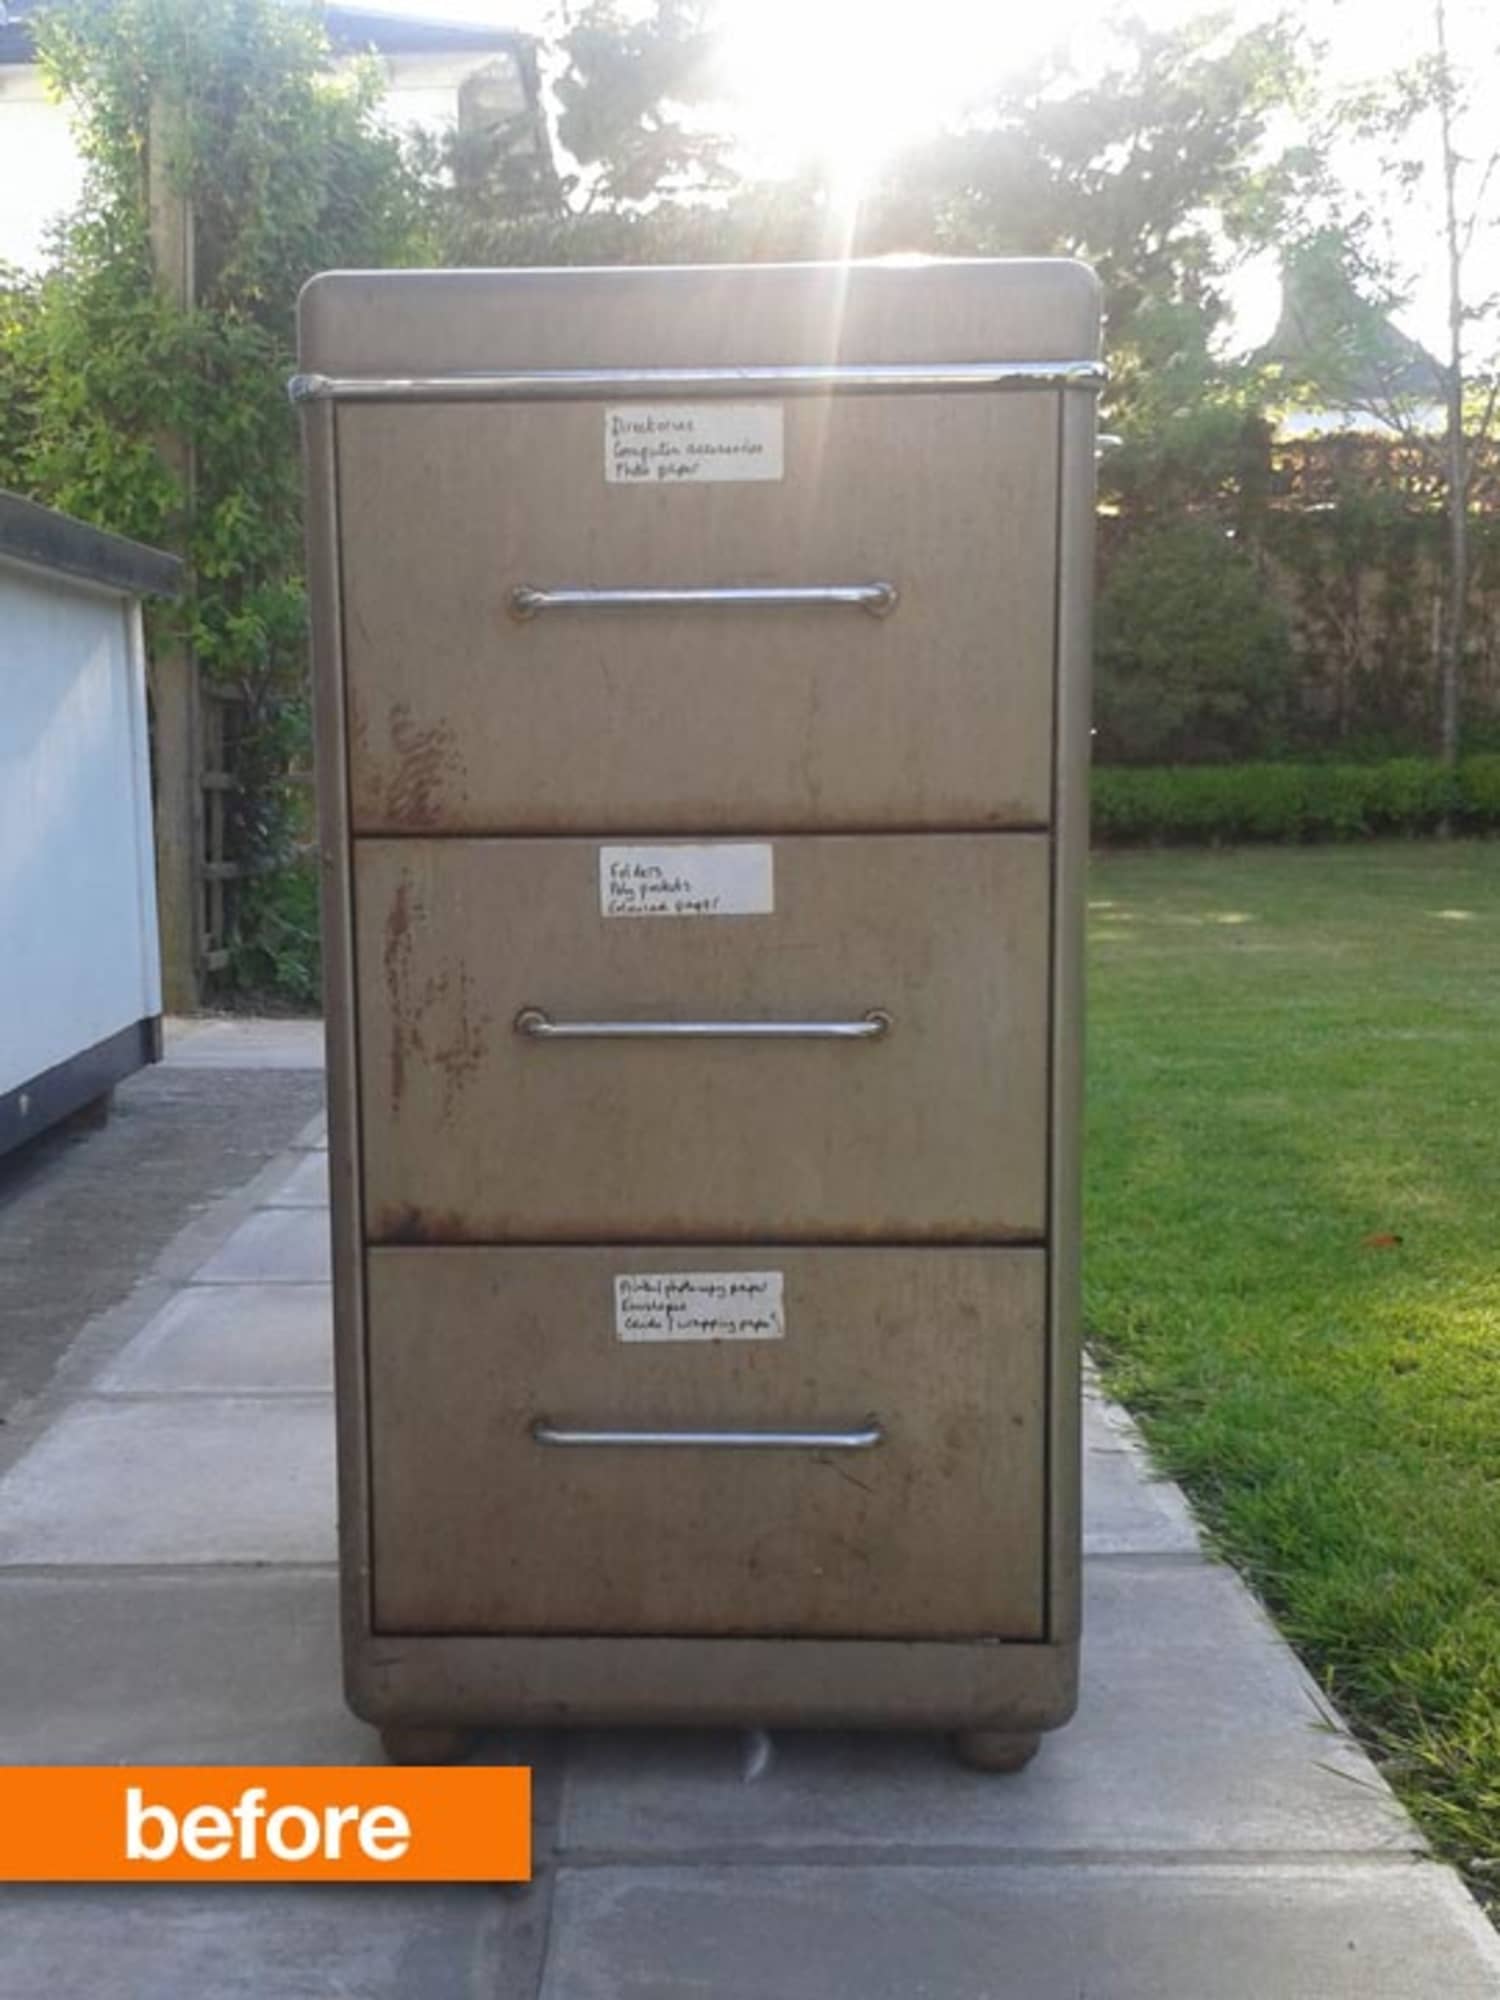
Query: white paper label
[[683, 444], [728, 879], [699, 1305]]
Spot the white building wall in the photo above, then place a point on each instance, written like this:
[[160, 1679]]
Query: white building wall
[[41, 175]]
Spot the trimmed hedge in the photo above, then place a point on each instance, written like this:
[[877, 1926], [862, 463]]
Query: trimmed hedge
[[1208, 803]]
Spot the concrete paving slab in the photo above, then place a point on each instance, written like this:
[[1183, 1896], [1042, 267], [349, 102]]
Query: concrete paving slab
[[180, 1480], [275, 1246], [204, 1667], [209, 1339], [238, 1041], [307, 1184], [244, 1942], [1197, 1733], [1378, 1932], [1128, 1509], [314, 1135], [226, 1667], [86, 1219]]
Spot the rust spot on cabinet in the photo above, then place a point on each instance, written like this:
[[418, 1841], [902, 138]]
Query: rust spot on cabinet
[[426, 767]]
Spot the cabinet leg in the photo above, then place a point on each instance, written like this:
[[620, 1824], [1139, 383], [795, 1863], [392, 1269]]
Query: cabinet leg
[[424, 1743], [995, 1749]]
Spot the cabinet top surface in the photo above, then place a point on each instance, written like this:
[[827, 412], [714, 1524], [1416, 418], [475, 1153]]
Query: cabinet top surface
[[770, 315]]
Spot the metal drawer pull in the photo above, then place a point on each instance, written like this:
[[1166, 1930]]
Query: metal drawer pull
[[868, 1434], [879, 599], [541, 1027]]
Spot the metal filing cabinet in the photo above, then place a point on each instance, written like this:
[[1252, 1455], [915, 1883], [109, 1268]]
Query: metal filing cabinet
[[702, 721]]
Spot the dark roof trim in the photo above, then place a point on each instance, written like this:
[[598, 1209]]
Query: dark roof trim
[[347, 28], [48, 540], [413, 34]]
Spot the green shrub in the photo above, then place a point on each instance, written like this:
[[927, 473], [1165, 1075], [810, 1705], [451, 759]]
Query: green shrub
[[1210, 803], [1479, 791], [276, 956], [1193, 659]]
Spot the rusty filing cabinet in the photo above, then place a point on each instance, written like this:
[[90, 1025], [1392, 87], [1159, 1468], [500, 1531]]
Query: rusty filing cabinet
[[701, 663]]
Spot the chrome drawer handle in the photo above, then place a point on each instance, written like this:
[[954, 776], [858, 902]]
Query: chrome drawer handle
[[879, 599], [867, 1435], [541, 1027]]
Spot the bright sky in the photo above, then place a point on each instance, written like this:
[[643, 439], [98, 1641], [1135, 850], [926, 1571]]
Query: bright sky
[[852, 77]]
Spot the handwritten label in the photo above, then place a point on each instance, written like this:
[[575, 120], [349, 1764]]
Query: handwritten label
[[699, 1305], [684, 444], [727, 879]]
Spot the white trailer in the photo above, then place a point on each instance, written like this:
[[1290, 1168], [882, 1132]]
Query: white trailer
[[80, 978]]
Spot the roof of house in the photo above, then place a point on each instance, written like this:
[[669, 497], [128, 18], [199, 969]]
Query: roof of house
[[42, 538], [348, 28], [1355, 355]]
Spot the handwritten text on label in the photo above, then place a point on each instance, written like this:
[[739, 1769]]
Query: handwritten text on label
[[699, 1305], [684, 444], [726, 879]]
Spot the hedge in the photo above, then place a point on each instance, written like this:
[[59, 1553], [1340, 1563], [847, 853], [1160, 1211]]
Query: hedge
[[1208, 803]]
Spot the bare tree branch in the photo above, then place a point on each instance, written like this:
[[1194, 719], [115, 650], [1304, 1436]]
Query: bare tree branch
[[1477, 211]]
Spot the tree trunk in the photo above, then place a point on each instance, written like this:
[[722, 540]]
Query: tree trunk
[[1458, 585], [1457, 482], [175, 716]]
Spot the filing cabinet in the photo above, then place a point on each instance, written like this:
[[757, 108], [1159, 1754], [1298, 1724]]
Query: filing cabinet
[[701, 685]]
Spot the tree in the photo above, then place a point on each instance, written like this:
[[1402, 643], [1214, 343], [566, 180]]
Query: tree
[[1150, 167], [230, 106], [1424, 146], [18, 385], [1159, 169], [640, 167], [625, 96]]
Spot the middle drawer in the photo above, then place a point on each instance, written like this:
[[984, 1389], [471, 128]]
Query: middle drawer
[[481, 1124]]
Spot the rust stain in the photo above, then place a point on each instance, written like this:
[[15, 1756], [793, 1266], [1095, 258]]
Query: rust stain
[[435, 1021], [405, 1223], [397, 959], [461, 1056], [426, 771], [359, 730]]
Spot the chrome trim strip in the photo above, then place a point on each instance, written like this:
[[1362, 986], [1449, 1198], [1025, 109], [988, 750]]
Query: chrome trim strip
[[581, 384]]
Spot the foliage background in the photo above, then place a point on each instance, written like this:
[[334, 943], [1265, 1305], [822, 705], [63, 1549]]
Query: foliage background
[[100, 375], [1255, 601]]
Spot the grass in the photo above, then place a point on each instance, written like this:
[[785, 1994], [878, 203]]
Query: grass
[[1293, 1261]]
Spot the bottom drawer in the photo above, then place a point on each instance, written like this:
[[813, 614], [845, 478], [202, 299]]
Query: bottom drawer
[[481, 1525]]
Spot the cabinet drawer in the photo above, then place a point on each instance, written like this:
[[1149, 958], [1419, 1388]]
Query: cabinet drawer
[[465, 719], [475, 1130], [479, 1527]]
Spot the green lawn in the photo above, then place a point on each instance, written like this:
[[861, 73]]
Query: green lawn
[[1293, 1261]]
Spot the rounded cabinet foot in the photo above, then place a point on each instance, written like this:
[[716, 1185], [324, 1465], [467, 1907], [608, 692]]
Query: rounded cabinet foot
[[424, 1743], [995, 1749]]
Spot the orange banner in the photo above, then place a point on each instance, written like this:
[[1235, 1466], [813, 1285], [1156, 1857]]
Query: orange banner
[[265, 1823]]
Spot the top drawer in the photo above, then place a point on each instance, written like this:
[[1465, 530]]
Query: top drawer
[[724, 717]]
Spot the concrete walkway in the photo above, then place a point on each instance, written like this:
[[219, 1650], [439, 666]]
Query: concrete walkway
[[1203, 1831]]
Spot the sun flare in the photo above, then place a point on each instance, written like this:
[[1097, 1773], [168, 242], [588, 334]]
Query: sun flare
[[844, 83]]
